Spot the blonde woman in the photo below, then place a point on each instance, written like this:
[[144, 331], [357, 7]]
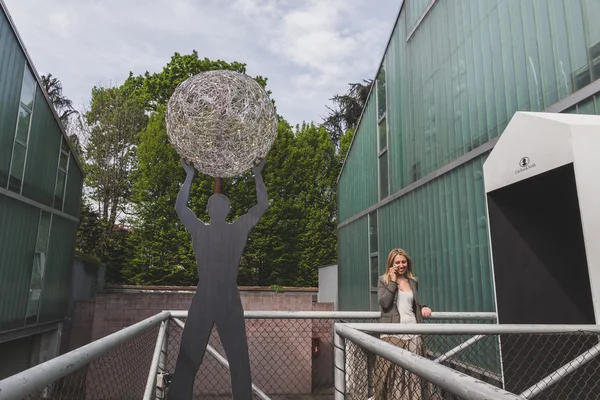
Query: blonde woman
[[398, 297]]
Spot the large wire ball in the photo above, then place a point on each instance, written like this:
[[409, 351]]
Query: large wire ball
[[222, 122]]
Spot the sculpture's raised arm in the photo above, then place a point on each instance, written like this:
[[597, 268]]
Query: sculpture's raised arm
[[253, 216], [187, 217]]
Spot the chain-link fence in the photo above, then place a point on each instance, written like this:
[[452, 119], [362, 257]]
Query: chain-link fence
[[289, 359], [517, 362], [121, 373]]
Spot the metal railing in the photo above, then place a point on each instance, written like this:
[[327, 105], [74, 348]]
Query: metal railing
[[464, 355], [494, 362]]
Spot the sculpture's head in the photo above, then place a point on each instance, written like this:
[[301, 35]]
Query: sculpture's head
[[218, 207]]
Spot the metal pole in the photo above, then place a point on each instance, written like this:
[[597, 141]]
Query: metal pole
[[223, 361], [472, 329], [162, 362], [346, 315], [457, 383], [339, 366], [151, 381], [459, 348], [560, 373], [218, 185], [22, 384]]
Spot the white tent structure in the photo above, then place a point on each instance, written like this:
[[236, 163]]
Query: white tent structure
[[542, 183]]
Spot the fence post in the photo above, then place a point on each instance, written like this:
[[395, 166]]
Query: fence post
[[162, 364], [339, 365]]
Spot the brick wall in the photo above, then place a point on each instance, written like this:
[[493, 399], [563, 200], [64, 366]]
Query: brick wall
[[280, 350]]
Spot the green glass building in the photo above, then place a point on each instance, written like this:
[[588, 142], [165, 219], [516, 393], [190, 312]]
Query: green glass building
[[40, 192], [453, 74]]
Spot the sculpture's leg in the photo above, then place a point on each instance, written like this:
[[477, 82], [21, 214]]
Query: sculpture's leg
[[194, 339], [232, 331]]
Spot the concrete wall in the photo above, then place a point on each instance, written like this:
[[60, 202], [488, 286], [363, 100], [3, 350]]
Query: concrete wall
[[328, 285]]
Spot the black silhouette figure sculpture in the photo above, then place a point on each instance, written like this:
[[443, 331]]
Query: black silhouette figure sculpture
[[218, 247]]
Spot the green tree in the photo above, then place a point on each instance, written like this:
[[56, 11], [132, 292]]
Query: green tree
[[62, 104], [112, 123], [346, 110]]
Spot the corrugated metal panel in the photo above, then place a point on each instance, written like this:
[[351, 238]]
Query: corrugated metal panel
[[42, 154], [459, 79], [414, 9], [57, 278], [357, 187], [588, 106], [442, 225], [353, 266], [18, 233], [74, 186], [12, 64], [19, 353], [452, 87]]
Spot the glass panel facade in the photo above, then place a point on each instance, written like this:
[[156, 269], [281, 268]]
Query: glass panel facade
[[373, 233], [61, 178], [374, 270], [43, 232], [64, 161], [23, 125], [17, 168], [381, 100], [28, 89], [382, 135], [383, 176]]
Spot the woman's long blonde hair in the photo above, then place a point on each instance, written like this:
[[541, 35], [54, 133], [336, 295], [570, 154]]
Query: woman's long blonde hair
[[390, 263]]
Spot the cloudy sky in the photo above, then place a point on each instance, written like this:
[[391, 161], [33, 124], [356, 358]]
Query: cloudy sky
[[308, 49]]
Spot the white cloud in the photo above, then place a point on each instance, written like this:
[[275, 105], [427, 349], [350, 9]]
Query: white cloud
[[309, 49]]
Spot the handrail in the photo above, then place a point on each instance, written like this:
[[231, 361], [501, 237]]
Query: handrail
[[471, 329], [461, 385], [24, 383], [347, 315]]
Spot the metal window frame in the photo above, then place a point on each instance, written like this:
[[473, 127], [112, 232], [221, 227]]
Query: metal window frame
[[58, 170], [372, 254], [381, 152], [421, 18], [23, 199], [26, 70], [37, 319]]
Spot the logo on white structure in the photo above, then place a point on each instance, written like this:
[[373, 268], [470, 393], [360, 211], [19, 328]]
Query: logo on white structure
[[524, 165]]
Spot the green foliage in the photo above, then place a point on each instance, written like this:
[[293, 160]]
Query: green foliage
[[347, 109], [277, 288], [295, 236], [154, 90], [113, 121]]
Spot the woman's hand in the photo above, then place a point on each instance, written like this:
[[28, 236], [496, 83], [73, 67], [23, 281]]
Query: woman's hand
[[393, 274], [426, 311]]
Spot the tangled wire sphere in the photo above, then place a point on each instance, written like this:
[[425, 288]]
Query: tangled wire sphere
[[222, 122]]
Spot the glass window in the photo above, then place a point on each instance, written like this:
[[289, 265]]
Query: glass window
[[28, 89], [374, 270], [43, 232], [23, 125], [17, 167], [64, 161], [35, 288], [383, 176], [64, 146], [381, 100], [373, 233], [60, 189], [374, 302], [382, 135]]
